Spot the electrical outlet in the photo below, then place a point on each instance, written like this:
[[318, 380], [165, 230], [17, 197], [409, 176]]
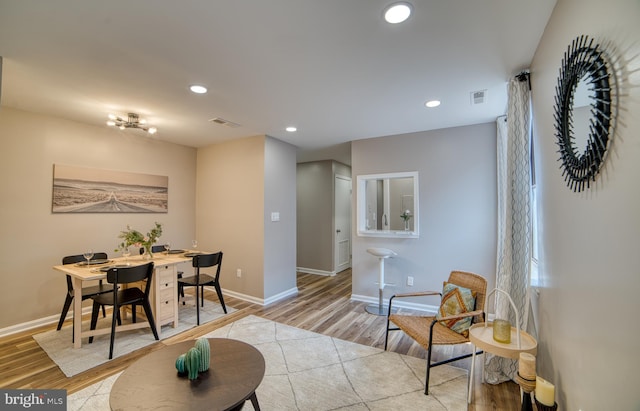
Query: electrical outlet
[[238, 273], [410, 281]]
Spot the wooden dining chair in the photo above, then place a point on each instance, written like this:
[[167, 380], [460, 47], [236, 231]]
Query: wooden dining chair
[[200, 279], [130, 295], [87, 292]]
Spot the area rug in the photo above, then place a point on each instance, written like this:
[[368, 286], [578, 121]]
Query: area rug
[[72, 361], [309, 371]]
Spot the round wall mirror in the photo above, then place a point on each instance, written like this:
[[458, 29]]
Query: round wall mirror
[[584, 112]]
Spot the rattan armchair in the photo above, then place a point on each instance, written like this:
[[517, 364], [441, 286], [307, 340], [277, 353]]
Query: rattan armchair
[[427, 331]]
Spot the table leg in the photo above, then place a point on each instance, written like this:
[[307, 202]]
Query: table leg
[[254, 401], [473, 365], [77, 313]]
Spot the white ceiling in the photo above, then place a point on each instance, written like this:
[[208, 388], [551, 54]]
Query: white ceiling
[[332, 68]]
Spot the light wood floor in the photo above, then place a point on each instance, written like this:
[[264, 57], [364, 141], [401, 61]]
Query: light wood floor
[[322, 305]]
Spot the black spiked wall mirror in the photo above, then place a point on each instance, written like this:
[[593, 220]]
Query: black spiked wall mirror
[[584, 112]]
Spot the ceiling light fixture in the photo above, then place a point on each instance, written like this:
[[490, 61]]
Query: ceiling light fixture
[[291, 129], [432, 103], [133, 121], [198, 89], [397, 12]]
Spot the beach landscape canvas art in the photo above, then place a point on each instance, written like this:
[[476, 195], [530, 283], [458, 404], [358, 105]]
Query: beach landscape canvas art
[[91, 190]]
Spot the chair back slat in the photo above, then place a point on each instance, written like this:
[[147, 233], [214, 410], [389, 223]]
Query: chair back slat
[[154, 249], [128, 275], [474, 282], [206, 260], [73, 259]]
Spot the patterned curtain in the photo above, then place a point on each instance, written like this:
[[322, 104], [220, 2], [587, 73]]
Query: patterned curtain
[[514, 219]]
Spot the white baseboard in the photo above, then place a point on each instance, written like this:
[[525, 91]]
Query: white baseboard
[[255, 300], [53, 319], [285, 294], [430, 309], [314, 271], [30, 325]]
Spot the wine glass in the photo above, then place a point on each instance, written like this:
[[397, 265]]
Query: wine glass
[[88, 255], [194, 244], [126, 253], [167, 247]]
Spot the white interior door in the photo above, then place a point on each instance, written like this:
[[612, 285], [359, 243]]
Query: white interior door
[[342, 219]]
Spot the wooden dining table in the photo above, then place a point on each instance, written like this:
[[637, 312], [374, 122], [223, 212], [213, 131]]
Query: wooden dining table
[[163, 295]]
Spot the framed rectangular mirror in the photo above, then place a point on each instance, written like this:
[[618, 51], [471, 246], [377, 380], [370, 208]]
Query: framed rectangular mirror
[[387, 205]]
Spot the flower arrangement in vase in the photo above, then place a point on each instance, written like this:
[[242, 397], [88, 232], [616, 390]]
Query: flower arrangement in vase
[[406, 216], [132, 237]]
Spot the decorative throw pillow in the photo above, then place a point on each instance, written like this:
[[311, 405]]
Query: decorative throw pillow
[[456, 300]]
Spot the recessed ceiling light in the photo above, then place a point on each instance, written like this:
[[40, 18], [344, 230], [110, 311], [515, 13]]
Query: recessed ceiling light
[[198, 89], [291, 129], [397, 12], [432, 103]]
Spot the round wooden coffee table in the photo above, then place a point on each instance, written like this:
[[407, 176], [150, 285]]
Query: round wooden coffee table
[[153, 382]]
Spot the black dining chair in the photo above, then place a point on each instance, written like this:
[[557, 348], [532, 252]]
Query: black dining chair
[[200, 279], [159, 249], [154, 249], [133, 296], [87, 292]]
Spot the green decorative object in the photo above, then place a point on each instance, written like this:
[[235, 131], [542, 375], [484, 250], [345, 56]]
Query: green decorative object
[[202, 344], [180, 364], [192, 361], [135, 238]]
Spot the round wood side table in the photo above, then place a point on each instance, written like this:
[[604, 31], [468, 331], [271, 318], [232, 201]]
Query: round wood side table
[[481, 336]]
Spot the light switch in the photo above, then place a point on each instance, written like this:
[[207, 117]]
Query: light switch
[[275, 216]]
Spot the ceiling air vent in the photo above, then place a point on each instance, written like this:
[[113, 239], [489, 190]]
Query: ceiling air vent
[[224, 122], [478, 97]]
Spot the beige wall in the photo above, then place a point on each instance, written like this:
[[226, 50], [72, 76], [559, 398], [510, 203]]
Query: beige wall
[[33, 239], [216, 194], [240, 183], [588, 304], [230, 204]]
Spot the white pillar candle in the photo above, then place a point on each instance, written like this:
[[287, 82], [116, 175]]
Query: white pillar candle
[[545, 392], [527, 366]]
